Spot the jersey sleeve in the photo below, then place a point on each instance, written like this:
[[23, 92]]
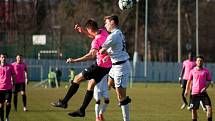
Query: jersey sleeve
[[208, 76], [191, 75], [109, 42]]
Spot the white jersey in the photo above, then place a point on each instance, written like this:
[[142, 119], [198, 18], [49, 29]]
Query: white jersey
[[115, 45]]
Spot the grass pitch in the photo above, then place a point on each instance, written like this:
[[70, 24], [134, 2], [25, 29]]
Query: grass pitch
[[150, 102]]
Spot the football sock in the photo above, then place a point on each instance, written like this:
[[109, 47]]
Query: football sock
[[194, 119], [72, 90], [15, 101], [125, 112], [24, 100], [8, 107], [97, 109], [103, 108], [210, 119], [88, 97], [2, 113]]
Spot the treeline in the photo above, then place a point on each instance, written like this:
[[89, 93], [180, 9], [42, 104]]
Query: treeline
[[56, 19]]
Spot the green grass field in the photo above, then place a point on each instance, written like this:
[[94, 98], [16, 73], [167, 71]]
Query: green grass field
[[150, 102]]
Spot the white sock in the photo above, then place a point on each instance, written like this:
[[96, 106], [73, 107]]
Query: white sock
[[97, 109], [103, 108], [125, 112]]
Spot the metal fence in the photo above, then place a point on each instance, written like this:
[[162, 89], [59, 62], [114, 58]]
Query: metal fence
[[156, 72]]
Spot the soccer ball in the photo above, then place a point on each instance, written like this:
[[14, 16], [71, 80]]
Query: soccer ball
[[125, 4]]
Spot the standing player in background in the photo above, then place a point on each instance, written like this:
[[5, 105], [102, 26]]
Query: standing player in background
[[6, 74], [94, 73], [199, 80], [120, 71], [101, 91], [188, 65], [21, 72]]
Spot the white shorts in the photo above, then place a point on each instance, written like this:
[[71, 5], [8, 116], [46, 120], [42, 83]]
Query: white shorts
[[101, 94], [120, 74]]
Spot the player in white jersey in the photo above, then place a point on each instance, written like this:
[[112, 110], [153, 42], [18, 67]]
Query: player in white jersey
[[120, 71], [101, 91]]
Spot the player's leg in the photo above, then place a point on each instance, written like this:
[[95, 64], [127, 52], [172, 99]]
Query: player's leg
[[2, 100], [194, 114], [105, 104], [184, 83], [88, 97], [8, 103], [15, 98], [95, 75], [97, 97], [24, 97], [207, 102], [194, 105], [72, 90]]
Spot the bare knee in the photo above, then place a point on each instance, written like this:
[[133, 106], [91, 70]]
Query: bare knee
[[91, 84], [79, 78]]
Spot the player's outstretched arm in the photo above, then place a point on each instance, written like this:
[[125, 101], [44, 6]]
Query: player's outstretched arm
[[188, 87], [89, 56]]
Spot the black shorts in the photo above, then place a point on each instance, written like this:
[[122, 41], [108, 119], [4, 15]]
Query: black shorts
[[5, 95], [19, 87], [184, 83], [195, 100], [95, 72]]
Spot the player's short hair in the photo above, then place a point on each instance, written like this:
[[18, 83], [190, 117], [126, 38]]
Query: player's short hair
[[114, 18], [19, 55], [4, 54], [200, 56], [92, 24]]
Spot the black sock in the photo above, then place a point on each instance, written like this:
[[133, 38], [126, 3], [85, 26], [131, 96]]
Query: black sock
[[210, 119], [24, 100], [72, 90], [194, 119], [15, 96], [88, 97], [8, 107], [2, 113]]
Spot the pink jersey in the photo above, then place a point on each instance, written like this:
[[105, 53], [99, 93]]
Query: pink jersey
[[188, 65], [6, 73], [199, 79], [97, 44], [20, 69]]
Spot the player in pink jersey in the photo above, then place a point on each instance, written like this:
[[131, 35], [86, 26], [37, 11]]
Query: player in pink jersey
[[21, 72], [6, 74], [94, 73], [199, 80], [188, 65]]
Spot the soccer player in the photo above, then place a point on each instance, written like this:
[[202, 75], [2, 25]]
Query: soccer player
[[120, 71], [101, 91], [21, 72], [188, 65], [94, 73], [6, 74], [199, 80]]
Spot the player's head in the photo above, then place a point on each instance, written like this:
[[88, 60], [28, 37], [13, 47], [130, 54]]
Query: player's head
[[19, 58], [111, 22], [190, 56], [91, 26], [199, 61], [3, 58]]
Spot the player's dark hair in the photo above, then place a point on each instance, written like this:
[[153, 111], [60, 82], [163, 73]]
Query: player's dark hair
[[92, 24], [114, 18], [4, 54], [200, 56], [19, 55]]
